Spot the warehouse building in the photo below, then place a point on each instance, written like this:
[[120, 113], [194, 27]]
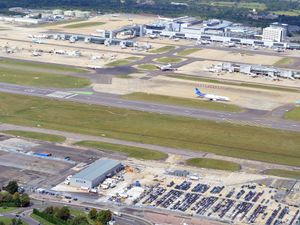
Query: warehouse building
[[96, 173]]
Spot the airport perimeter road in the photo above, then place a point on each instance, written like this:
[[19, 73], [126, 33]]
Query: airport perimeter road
[[249, 117], [128, 217], [23, 216]]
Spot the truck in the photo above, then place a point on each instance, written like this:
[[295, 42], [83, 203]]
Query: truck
[[117, 213]]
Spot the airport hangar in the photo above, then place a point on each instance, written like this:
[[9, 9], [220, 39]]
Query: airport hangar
[[96, 173]]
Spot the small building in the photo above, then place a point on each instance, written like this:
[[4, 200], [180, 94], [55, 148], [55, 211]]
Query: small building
[[96, 173]]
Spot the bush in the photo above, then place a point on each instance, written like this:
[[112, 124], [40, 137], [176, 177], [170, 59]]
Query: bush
[[49, 218]]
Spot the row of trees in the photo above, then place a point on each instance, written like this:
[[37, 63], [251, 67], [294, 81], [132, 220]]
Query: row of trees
[[101, 217], [163, 7], [11, 196], [63, 216]]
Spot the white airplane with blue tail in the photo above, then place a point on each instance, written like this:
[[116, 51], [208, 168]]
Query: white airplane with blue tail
[[211, 97]]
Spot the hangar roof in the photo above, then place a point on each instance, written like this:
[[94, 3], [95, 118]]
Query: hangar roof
[[96, 169]]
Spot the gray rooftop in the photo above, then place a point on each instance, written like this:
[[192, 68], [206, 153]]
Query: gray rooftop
[[96, 169]]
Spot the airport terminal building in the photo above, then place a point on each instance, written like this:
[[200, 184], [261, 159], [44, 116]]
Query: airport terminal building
[[96, 173]]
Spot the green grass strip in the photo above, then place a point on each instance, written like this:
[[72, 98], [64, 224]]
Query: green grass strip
[[213, 164], [188, 51], [41, 79], [130, 151], [168, 60], [293, 114], [37, 136], [283, 173], [83, 25], [38, 65], [163, 49], [234, 140]]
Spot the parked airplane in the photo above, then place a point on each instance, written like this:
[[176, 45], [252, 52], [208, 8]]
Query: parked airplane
[[36, 53], [203, 42], [229, 44], [154, 36], [211, 97], [94, 67], [279, 50], [167, 67], [38, 41]]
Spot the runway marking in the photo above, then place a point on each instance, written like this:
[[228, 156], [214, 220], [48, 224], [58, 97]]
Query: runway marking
[[61, 94]]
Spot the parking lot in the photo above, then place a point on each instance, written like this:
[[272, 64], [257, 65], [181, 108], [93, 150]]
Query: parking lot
[[244, 204]]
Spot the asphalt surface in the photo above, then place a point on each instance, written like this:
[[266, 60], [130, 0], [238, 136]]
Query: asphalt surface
[[249, 117]]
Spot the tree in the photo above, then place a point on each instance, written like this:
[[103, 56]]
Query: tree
[[80, 220], [49, 210], [93, 214], [15, 221], [7, 197], [63, 213], [104, 216], [99, 223], [25, 200], [12, 187], [16, 199]]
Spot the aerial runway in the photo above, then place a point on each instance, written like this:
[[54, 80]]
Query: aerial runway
[[248, 117]]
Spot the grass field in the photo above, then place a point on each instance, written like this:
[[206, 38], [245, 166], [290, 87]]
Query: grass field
[[284, 62], [6, 209], [227, 139], [168, 60], [37, 136], [288, 13], [194, 103], [147, 67], [284, 173], [293, 114], [247, 5], [120, 62], [163, 49], [62, 22], [76, 212], [240, 84], [132, 152], [41, 79], [7, 221], [213, 164], [37, 65], [133, 58], [40, 220], [188, 51], [83, 24]]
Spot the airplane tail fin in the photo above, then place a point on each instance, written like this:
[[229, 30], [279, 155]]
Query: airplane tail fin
[[198, 92]]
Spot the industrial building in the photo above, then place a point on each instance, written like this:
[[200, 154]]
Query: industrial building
[[259, 70], [96, 173], [223, 31]]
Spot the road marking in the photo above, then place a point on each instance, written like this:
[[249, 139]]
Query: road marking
[[61, 94]]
